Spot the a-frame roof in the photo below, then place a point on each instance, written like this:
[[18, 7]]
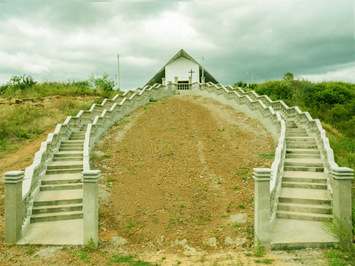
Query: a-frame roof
[[161, 73]]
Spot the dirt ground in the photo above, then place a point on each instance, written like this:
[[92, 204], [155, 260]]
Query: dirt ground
[[175, 188]]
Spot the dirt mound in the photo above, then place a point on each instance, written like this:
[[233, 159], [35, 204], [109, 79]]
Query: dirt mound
[[180, 178]]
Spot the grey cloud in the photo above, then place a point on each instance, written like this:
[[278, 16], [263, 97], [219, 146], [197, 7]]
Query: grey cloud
[[266, 38]]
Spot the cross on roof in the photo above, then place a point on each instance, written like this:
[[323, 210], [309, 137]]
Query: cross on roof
[[191, 71]]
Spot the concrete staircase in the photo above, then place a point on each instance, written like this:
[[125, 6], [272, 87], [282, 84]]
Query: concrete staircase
[[58, 209], [304, 202]]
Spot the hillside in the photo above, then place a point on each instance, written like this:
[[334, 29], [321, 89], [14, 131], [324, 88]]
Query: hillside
[[203, 210], [202, 213]]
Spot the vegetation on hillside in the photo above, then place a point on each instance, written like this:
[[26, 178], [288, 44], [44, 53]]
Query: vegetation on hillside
[[26, 87], [27, 121]]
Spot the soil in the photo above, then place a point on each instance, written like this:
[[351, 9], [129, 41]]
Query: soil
[[175, 188]]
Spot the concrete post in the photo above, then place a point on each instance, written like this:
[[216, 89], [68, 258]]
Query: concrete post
[[262, 206], [163, 81], [342, 177], [13, 206], [203, 80], [176, 80], [91, 207]]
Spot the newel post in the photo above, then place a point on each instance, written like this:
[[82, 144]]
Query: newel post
[[342, 177], [13, 206], [90, 206], [262, 225]]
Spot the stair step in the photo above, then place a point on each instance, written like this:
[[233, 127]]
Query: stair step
[[303, 216], [61, 179], [65, 165], [300, 155], [290, 134], [57, 208], [57, 202], [309, 208], [64, 171], [303, 162], [56, 216], [302, 151], [71, 148], [65, 159], [76, 137], [301, 168], [68, 154], [300, 145], [72, 141], [304, 185], [57, 181], [300, 139], [304, 179], [304, 196], [61, 187]]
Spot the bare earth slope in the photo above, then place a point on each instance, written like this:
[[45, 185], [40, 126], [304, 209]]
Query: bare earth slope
[[182, 172], [176, 188]]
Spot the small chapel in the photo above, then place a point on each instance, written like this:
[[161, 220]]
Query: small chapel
[[182, 70]]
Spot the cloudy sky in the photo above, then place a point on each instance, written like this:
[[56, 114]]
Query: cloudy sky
[[73, 39]]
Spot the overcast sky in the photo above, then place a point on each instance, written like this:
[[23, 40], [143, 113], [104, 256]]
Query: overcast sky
[[71, 39]]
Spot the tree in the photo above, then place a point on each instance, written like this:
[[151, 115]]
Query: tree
[[288, 76]]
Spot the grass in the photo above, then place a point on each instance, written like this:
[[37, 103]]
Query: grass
[[25, 122], [336, 257], [266, 155]]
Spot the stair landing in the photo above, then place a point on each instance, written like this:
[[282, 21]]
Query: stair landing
[[288, 233], [55, 232]]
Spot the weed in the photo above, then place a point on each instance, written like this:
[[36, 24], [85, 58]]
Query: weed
[[229, 206], [122, 258], [265, 261], [219, 180], [224, 215], [152, 100], [241, 206], [31, 250], [334, 254], [235, 187], [204, 217], [236, 224], [83, 255], [205, 189], [212, 149], [182, 204], [259, 250], [266, 155]]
